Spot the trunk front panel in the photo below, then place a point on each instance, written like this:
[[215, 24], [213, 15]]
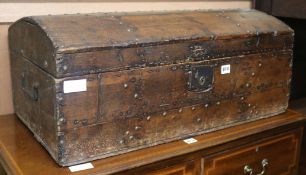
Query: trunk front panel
[[153, 91]]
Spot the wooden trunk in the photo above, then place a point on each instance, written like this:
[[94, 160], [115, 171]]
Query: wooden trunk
[[97, 85]]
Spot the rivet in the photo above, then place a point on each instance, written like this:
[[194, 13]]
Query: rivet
[[288, 95], [174, 68], [121, 141], [45, 63], [131, 137], [164, 113], [65, 67], [61, 141], [125, 85], [256, 112], [218, 103], [290, 64], [61, 119], [253, 74], [251, 111], [193, 108], [180, 110], [137, 128], [289, 80], [206, 105], [60, 98], [247, 85], [238, 25], [254, 107], [249, 105], [198, 119], [127, 132], [84, 121], [149, 117], [241, 98], [76, 122], [136, 95], [259, 64], [129, 30]]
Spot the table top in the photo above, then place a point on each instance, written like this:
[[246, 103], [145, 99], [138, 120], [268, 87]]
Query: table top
[[20, 153]]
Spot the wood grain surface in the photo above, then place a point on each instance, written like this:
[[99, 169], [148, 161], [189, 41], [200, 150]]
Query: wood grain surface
[[26, 156], [280, 153], [134, 40], [142, 73]]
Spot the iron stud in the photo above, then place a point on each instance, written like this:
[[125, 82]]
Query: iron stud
[[148, 118], [136, 95], [125, 85]]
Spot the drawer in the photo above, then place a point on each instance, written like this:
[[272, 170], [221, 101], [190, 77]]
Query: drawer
[[277, 155], [187, 168]]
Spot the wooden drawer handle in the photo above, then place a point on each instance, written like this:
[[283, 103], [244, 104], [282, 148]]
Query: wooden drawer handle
[[249, 170]]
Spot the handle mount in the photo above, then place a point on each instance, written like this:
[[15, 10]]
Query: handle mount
[[248, 170], [31, 91]]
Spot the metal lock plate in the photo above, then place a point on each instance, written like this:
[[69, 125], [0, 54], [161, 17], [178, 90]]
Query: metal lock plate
[[200, 78]]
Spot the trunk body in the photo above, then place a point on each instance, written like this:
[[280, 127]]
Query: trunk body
[[98, 85]]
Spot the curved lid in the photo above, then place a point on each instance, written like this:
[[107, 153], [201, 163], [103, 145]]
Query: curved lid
[[69, 34]]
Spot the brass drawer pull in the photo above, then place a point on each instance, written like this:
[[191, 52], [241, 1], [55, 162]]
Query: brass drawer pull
[[249, 170]]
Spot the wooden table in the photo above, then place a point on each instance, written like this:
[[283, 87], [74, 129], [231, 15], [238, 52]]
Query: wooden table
[[20, 153]]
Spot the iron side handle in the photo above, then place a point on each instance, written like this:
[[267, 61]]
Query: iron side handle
[[32, 91]]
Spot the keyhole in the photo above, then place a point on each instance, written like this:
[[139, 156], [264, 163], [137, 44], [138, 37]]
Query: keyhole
[[202, 80]]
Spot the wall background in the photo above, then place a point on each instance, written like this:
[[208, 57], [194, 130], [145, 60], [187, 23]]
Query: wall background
[[11, 10]]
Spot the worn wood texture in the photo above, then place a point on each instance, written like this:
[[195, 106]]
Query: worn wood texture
[[226, 105], [21, 156], [40, 115], [143, 77], [80, 44]]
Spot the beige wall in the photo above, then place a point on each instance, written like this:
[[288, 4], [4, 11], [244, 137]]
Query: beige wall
[[6, 105], [10, 12]]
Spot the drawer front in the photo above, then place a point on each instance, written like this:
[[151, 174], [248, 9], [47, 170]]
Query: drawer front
[[188, 168], [274, 156]]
